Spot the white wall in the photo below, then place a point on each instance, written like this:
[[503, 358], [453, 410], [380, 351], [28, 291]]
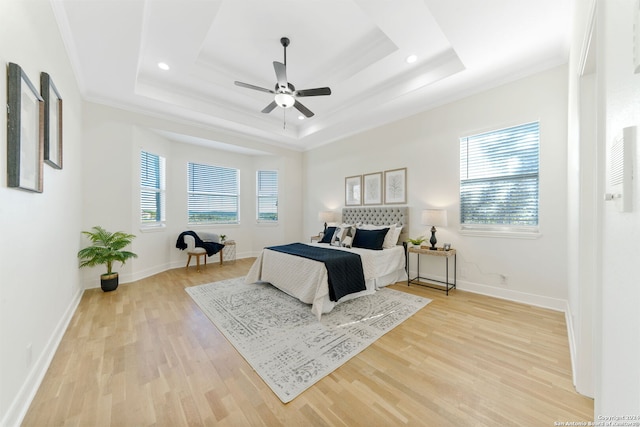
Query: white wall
[[584, 201], [618, 384], [605, 327], [427, 145], [113, 140], [39, 283], [100, 162]]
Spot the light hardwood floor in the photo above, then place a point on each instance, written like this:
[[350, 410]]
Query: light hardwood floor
[[145, 355]]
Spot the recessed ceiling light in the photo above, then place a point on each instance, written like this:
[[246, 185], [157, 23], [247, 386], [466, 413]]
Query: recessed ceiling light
[[300, 117], [411, 59], [163, 66]]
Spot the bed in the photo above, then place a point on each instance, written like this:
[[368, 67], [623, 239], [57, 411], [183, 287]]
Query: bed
[[308, 280]]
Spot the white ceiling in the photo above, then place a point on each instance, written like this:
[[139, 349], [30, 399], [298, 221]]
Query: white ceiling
[[356, 47]]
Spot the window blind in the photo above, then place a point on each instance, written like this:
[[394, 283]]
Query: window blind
[[152, 188], [213, 194], [267, 194], [499, 181]]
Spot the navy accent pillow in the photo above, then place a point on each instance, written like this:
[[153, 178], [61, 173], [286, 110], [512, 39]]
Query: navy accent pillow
[[369, 239], [328, 235]]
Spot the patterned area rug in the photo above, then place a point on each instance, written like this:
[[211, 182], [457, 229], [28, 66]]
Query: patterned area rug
[[285, 343]]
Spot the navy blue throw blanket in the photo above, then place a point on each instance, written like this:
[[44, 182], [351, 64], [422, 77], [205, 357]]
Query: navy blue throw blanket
[[344, 269], [212, 248]]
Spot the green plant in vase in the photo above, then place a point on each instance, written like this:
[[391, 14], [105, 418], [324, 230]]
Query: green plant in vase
[[417, 241]]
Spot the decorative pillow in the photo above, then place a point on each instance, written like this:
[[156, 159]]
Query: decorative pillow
[[370, 239], [326, 237], [391, 238], [342, 233]]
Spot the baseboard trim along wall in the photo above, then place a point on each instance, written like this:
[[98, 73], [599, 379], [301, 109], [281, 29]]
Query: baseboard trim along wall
[[572, 341], [516, 296], [508, 294], [23, 399]]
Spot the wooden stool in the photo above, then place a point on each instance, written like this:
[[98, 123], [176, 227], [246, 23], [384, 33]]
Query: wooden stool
[[197, 254]]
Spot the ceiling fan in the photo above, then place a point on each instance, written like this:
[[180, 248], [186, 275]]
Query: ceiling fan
[[285, 93]]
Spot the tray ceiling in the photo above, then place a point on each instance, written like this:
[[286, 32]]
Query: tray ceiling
[[357, 47]]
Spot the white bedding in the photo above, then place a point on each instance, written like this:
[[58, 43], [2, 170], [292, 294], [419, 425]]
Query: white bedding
[[306, 279]]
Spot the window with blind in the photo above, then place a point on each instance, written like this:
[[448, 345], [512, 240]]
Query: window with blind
[[213, 194], [152, 189], [499, 179], [267, 194]]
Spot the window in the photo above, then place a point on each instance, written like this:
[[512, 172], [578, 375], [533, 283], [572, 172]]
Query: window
[[499, 179], [214, 194], [267, 193], [152, 189]]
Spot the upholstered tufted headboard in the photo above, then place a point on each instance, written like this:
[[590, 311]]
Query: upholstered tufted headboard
[[379, 216]]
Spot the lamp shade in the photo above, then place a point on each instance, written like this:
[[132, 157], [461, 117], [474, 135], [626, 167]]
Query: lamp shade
[[327, 216], [434, 217]]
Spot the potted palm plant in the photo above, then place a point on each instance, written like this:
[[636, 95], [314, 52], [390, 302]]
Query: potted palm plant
[[106, 249]]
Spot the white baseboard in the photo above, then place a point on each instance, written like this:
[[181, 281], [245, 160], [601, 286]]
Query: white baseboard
[[556, 304], [20, 405], [530, 299], [536, 300], [503, 293], [142, 274], [572, 341]]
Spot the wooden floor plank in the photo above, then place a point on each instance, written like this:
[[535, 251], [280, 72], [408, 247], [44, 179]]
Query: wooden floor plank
[[146, 355]]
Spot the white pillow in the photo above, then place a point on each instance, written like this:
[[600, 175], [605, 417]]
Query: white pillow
[[372, 227], [391, 239], [392, 236]]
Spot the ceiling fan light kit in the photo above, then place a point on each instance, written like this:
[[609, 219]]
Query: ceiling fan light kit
[[285, 100], [285, 93]]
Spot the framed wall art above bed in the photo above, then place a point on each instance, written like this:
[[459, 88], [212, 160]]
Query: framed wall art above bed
[[395, 186], [353, 190], [372, 186]]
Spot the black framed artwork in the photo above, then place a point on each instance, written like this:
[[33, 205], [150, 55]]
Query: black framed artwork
[[25, 131], [52, 121]]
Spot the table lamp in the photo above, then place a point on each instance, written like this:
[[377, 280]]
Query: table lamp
[[326, 216], [434, 217]]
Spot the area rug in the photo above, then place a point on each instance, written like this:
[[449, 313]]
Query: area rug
[[285, 343]]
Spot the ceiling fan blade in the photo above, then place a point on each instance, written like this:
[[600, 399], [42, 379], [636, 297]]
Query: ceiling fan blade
[[304, 110], [248, 86], [281, 73], [269, 108], [313, 92]]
